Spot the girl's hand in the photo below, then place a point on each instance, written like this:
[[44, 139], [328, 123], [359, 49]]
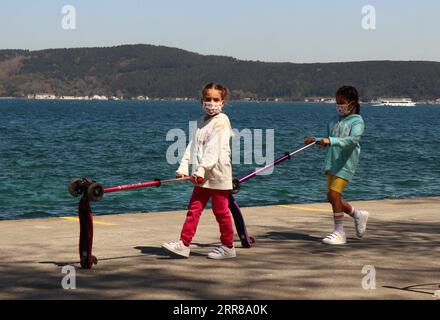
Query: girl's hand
[[308, 140], [194, 179], [180, 176], [324, 142]]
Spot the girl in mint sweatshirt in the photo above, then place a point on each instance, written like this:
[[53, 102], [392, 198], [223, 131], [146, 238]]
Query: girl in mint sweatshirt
[[344, 133]]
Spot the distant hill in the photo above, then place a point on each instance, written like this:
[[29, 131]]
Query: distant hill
[[158, 71]]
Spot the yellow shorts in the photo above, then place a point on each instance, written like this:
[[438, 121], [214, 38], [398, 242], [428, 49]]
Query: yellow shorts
[[336, 184]]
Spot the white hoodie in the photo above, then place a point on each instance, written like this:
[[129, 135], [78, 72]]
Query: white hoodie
[[209, 153]]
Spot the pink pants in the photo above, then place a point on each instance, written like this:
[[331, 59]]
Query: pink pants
[[220, 207]]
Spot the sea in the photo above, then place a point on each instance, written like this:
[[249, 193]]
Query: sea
[[46, 144]]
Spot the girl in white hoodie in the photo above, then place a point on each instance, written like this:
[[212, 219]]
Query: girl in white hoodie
[[209, 154]]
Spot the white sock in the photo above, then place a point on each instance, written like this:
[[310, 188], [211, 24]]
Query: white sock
[[339, 222], [355, 214]]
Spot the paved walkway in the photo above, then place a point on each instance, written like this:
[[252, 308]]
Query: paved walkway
[[288, 261]]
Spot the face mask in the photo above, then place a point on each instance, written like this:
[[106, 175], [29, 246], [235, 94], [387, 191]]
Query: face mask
[[343, 109], [212, 108]]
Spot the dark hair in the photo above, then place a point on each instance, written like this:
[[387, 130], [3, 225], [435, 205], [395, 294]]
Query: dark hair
[[351, 94], [224, 91]]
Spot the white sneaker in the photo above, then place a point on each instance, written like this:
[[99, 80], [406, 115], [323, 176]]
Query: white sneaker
[[222, 252], [361, 223], [335, 238], [178, 248]]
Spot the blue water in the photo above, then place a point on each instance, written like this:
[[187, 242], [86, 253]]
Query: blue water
[[44, 144]]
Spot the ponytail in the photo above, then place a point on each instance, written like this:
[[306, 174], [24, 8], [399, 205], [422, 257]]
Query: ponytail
[[358, 108]]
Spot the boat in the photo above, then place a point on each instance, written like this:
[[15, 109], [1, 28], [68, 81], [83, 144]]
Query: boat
[[396, 102]]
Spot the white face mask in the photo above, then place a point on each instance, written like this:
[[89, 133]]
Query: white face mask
[[212, 108], [344, 109]]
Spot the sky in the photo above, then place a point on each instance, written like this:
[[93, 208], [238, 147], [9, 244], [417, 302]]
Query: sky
[[271, 30]]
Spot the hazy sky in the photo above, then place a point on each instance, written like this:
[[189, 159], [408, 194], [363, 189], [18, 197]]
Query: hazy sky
[[271, 30]]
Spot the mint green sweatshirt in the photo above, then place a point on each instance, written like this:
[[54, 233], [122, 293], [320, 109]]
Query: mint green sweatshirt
[[344, 150]]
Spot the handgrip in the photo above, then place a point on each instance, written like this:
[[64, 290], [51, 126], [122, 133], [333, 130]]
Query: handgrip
[[200, 180]]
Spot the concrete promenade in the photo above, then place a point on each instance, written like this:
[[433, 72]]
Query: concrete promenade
[[288, 261]]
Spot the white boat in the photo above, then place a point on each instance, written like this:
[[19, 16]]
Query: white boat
[[396, 102]]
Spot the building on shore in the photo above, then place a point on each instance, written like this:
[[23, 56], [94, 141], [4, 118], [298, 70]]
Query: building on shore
[[396, 102], [320, 99], [73, 98], [45, 96], [98, 97], [51, 96], [141, 98]]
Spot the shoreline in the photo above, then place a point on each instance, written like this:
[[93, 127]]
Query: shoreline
[[192, 100], [208, 208]]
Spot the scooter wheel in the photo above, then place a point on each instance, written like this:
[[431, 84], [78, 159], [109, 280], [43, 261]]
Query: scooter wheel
[[95, 192], [75, 187]]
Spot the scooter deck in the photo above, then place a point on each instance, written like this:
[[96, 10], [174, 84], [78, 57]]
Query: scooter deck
[[86, 234], [246, 240]]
